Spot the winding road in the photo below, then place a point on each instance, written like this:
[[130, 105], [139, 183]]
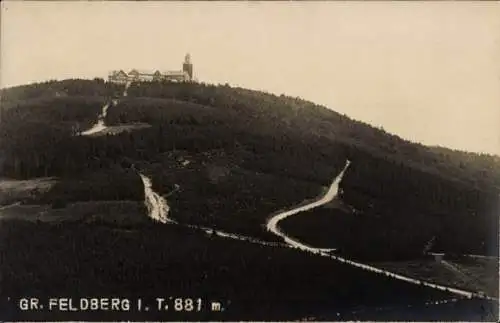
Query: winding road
[[272, 224]]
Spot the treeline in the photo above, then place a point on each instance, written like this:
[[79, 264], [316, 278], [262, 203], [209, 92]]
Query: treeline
[[364, 236], [43, 150], [392, 236], [394, 195], [115, 184], [157, 111], [75, 112], [70, 87], [195, 127]]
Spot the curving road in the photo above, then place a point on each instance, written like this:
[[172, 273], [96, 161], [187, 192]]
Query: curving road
[[272, 223]]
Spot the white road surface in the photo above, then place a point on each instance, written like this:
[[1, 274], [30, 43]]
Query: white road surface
[[9, 206], [272, 224], [157, 206], [99, 126], [234, 236], [126, 88]]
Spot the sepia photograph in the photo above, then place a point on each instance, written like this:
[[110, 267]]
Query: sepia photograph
[[248, 161]]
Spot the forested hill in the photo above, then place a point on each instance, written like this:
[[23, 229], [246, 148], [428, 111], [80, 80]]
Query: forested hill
[[266, 114], [275, 147]]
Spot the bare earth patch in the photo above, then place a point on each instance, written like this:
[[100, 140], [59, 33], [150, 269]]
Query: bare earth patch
[[114, 130], [116, 213], [12, 191]]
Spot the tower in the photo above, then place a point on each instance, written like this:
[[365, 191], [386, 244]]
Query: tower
[[188, 66]]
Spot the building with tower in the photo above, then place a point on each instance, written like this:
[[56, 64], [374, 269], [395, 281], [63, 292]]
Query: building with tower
[[187, 66], [185, 75]]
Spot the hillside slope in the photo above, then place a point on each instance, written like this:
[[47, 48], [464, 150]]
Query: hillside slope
[[251, 153], [74, 221]]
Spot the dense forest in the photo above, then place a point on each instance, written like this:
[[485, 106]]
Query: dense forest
[[10, 97], [96, 261], [272, 151]]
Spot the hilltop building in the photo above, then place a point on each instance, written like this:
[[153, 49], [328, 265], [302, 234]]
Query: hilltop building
[[134, 75]]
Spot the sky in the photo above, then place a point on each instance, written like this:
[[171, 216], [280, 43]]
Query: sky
[[426, 71]]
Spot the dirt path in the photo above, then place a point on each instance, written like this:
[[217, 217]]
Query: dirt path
[[157, 206], [100, 124]]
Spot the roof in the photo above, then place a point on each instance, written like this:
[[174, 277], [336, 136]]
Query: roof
[[115, 73], [145, 72], [173, 73], [150, 73]]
